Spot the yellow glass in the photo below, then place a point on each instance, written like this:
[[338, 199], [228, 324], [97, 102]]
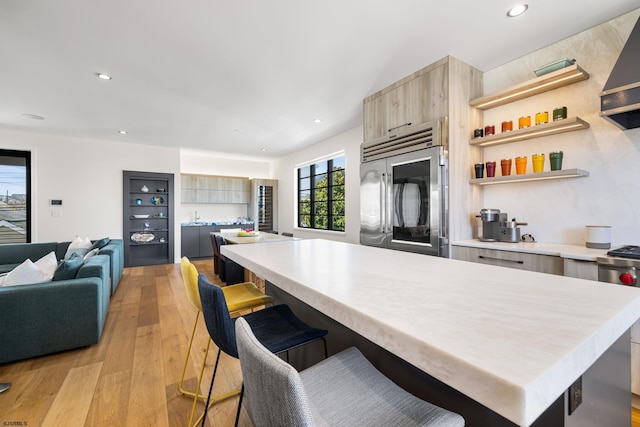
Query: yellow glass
[[521, 165], [542, 118], [538, 162]]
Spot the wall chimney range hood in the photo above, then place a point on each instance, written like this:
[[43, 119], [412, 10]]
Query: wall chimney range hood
[[620, 97]]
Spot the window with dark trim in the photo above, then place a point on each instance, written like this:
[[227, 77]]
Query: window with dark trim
[[321, 195], [15, 196]]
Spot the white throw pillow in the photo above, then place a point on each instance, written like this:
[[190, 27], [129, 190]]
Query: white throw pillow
[[80, 245], [26, 273], [48, 264]]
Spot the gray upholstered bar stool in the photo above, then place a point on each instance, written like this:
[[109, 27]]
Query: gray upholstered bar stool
[[344, 389]]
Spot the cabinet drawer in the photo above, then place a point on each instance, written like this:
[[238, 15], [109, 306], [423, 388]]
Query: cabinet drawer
[[581, 269], [517, 260]]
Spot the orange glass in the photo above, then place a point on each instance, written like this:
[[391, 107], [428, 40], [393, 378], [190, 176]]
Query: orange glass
[[524, 122], [505, 164], [521, 165]]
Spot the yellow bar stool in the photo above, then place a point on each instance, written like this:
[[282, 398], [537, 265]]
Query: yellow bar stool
[[241, 296]]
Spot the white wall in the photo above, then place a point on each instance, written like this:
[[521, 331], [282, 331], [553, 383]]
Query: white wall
[[557, 211], [87, 176], [284, 171]]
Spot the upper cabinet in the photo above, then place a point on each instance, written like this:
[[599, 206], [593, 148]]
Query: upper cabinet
[[215, 189], [414, 100]]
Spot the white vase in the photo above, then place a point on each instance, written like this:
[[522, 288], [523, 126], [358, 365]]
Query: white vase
[[144, 189]]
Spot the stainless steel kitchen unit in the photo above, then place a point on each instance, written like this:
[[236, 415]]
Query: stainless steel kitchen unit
[[403, 203]]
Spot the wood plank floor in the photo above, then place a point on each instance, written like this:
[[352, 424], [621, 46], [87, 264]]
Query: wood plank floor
[[131, 377]]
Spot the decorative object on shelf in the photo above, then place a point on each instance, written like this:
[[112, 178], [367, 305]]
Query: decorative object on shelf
[[555, 160], [559, 113], [554, 66], [161, 190], [551, 128], [142, 237], [161, 215], [524, 122], [489, 130], [478, 133], [146, 225], [138, 201], [538, 162], [505, 165], [479, 167], [521, 165], [144, 189], [542, 118], [162, 240], [507, 126], [141, 216], [157, 200], [491, 169]]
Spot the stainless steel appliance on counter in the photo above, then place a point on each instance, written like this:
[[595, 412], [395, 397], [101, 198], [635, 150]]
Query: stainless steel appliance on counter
[[496, 227], [403, 191]]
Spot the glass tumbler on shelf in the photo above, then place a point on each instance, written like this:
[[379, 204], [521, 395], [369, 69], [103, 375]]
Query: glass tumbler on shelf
[[521, 165], [505, 165], [542, 118], [538, 162], [491, 169], [524, 122], [555, 160]]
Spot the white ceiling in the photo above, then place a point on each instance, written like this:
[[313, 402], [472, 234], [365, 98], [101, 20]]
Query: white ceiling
[[239, 76]]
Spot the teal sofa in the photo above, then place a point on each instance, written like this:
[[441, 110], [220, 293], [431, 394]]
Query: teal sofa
[[115, 250], [45, 318]]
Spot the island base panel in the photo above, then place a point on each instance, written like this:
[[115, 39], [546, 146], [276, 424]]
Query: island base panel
[[606, 392]]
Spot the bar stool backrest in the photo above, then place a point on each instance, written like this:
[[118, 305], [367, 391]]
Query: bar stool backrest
[[265, 374]]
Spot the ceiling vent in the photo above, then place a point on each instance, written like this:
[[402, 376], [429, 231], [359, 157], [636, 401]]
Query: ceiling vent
[[417, 138]]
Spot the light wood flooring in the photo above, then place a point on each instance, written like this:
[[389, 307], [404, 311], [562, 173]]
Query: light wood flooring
[[131, 377]]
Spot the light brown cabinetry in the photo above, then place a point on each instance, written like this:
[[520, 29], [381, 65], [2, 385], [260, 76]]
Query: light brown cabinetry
[[581, 269], [518, 260], [414, 100], [214, 189]]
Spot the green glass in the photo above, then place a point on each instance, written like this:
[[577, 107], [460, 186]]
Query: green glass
[[555, 160]]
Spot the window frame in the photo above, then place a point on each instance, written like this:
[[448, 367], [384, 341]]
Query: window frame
[[26, 155], [314, 204]]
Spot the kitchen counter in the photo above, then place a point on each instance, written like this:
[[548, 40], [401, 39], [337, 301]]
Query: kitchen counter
[[553, 249], [512, 340]]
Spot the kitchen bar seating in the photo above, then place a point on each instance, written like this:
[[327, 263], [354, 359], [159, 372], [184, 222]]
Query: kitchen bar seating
[[243, 296], [344, 389], [277, 327]]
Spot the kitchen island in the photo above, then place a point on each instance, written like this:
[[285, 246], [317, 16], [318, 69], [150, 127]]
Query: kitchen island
[[514, 341]]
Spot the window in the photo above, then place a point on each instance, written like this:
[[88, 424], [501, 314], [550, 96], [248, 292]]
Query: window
[[321, 195], [15, 196]]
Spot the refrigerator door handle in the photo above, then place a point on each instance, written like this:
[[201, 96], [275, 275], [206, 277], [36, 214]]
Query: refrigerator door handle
[[383, 203], [389, 204]]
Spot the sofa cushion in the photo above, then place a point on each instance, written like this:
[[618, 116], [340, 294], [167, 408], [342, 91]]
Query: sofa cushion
[[26, 273], [99, 244], [79, 245], [69, 267]]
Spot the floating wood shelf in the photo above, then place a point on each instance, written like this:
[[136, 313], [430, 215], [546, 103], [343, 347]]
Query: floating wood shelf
[[559, 126], [566, 173], [554, 80]]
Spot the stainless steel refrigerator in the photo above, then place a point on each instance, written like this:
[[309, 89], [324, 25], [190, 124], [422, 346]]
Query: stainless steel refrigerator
[[403, 203]]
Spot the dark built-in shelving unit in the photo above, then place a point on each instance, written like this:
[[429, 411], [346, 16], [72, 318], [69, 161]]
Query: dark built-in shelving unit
[[150, 240]]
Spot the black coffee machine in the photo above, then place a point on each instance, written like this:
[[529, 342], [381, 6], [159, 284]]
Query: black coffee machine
[[497, 228]]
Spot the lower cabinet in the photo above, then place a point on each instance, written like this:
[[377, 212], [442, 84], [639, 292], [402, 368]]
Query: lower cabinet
[[581, 269], [196, 240], [519, 260]]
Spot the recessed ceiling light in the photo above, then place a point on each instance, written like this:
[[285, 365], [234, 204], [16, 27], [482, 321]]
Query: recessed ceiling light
[[317, 120], [103, 76], [263, 149], [122, 132], [517, 10], [33, 116]]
